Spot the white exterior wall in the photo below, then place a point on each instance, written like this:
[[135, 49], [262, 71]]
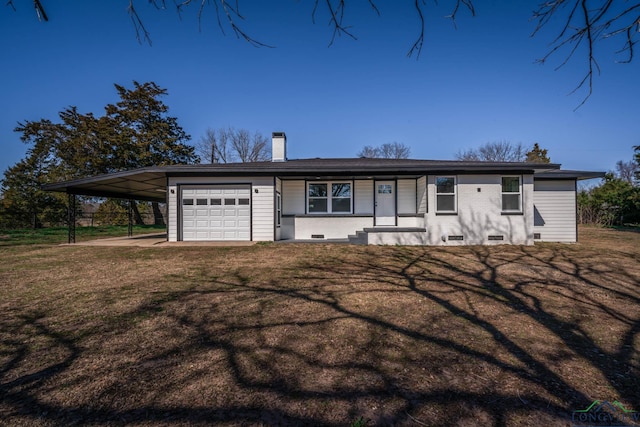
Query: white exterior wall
[[331, 228], [411, 221], [172, 213], [421, 190], [278, 233], [406, 191], [411, 238], [479, 201], [293, 197], [262, 203], [555, 203], [363, 197]]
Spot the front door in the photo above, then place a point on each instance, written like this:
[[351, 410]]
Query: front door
[[385, 202]]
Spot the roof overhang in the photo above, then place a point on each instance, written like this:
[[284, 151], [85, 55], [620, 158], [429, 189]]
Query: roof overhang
[[150, 183], [568, 174], [140, 184]]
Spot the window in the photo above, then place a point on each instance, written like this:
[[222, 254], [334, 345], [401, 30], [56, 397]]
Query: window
[[511, 194], [201, 202], [187, 201], [329, 197], [317, 198], [278, 209], [446, 194], [229, 202], [216, 202], [384, 189], [244, 202]]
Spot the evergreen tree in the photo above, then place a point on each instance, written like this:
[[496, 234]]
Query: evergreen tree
[[135, 132], [637, 157], [537, 155]]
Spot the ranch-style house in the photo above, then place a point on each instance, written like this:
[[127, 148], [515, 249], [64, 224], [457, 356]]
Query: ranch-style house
[[362, 200]]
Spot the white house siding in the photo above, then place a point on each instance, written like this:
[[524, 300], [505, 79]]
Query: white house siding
[[263, 215], [479, 214], [363, 197], [172, 213], [421, 194], [262, 200], [297, 225], [406, 191], [278, 229], [293, 197], [555, 203]]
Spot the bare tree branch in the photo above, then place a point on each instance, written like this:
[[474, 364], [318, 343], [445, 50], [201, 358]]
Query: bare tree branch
[[137, 24], [500, 151], [228, 145], [419, 4], [40, 11], [586, 24], [390, 150], [417, 46]]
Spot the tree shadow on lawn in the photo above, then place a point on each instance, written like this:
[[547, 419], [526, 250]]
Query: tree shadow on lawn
[[504, 335]]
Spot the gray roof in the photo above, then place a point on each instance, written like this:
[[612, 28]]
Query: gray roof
[[150, 183]]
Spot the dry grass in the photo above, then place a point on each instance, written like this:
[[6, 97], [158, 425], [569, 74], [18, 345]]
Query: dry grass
[[317, 334]]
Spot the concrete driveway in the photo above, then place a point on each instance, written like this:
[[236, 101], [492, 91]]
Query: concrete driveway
[[156, 240]]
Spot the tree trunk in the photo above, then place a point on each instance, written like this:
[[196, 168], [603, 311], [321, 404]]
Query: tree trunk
[[157, 214], [137, 218]]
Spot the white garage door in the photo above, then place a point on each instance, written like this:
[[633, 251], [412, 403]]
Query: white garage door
[[221, 212]]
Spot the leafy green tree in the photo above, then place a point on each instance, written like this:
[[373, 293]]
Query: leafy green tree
[[135, 132], [143, 132], [537, 155], [614, 202], [23, 203], [637, 158]]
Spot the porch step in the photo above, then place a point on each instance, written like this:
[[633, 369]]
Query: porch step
[[360, 238]]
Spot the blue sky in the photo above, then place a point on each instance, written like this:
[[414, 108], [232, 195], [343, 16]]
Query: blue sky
[[472, 84]]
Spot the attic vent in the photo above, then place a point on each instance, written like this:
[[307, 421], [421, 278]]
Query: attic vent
[[496, 237], [456, 237], [536, 236], [317, 236]]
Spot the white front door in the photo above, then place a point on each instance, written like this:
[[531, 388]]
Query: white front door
[[385, 202]]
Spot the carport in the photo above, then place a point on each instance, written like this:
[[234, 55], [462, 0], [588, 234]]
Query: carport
[[146, 184]]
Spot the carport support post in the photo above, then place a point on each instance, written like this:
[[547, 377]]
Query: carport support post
[[130, 228], [71, 218]]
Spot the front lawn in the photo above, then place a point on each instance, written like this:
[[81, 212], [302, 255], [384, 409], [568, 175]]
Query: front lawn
[[53, 235], [319, 334]]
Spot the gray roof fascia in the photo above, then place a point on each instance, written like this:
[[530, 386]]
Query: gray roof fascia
[[568, 174]]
